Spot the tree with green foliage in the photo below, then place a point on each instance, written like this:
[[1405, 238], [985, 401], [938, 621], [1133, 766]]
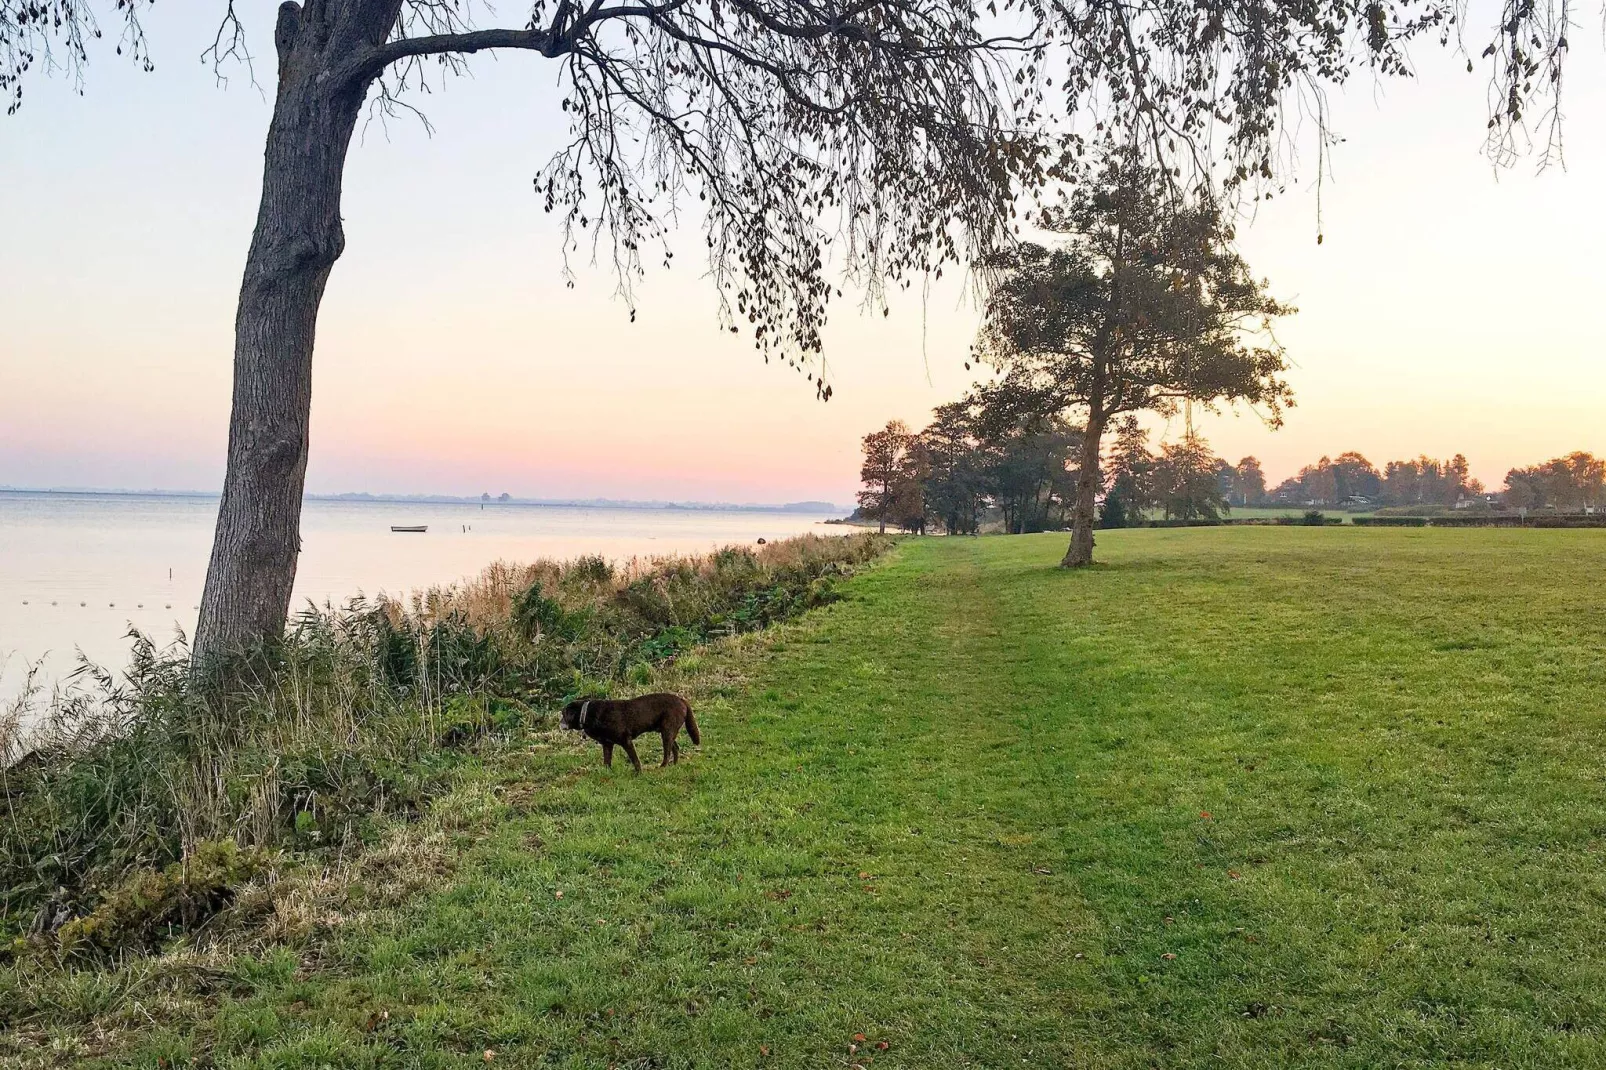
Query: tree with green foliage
[[1356, 477], [1028, 456], [1427, 481], [1248, 482], [1574, 483], [1030, 475], [1319, 481], [908, 507], [884, 473], [1187, 483], [1130, 471], [1143, 306], [955, 493]]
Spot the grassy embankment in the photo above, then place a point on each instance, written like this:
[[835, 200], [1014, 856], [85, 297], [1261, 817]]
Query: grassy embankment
[[1236, 797]]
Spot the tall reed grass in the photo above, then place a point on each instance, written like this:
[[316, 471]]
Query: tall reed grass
[[131, 810]]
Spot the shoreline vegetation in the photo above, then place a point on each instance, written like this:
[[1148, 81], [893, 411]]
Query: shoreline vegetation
[[138, 819]]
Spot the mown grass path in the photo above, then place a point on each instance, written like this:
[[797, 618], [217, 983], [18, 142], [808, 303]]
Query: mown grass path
[[1236, 797]]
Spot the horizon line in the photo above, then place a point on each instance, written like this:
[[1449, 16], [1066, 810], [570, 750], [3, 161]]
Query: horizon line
[[810, 505]]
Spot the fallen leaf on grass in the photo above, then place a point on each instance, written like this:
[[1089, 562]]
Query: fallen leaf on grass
[[558, 894], [779, 895], [489, 1054], [1232, 874], [859, 1037], [1042, 871], [1168, 956], [1205, 814], [763, 1049], [882, 1045], [863, 876]]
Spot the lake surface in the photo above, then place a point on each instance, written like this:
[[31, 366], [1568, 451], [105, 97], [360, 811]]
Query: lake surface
[[78, 570]]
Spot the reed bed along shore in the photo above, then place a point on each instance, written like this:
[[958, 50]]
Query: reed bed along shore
[[138, 817]]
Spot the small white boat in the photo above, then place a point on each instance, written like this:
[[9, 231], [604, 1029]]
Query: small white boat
[[418, 529]]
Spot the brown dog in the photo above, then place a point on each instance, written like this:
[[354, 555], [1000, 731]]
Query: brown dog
[[617, 722]]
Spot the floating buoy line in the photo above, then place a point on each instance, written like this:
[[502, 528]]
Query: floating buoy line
[[109, 605]]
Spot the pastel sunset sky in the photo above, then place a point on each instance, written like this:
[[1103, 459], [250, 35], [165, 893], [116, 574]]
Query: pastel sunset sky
[[1450, 308]]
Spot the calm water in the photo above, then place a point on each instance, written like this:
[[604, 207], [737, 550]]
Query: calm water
[[77, 570]]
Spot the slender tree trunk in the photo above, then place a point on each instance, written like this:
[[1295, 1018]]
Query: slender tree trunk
[[297, 239], [1080, 552]]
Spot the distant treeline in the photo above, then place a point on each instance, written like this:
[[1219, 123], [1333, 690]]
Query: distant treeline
[[981, 463], [1573, 483]]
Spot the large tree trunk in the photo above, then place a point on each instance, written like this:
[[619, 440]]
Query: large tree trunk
[[1080, 552], [298, 237]]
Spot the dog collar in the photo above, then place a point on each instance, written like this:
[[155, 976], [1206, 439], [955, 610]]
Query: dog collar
[[583, 707]]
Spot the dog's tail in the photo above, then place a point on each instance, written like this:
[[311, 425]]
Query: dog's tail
[[691, 727]]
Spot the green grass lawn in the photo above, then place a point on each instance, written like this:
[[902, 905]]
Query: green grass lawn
[[1235, 797]]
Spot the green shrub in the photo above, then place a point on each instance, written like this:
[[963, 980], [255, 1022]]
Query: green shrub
[[1595, 521], [150, 905]]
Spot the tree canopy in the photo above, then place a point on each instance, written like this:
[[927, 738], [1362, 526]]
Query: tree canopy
[[1140, 306], [893, 477], [1187, 481], [1205, 84], [1575, 482], [1143, 305]]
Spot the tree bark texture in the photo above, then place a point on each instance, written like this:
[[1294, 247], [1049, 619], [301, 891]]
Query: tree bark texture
[[297, 240], [1080, 552]]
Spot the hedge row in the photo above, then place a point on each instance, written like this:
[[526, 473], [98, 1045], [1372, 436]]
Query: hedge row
[[1482, 521], [1318, 520], [1308, 520], [1391, 521]]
